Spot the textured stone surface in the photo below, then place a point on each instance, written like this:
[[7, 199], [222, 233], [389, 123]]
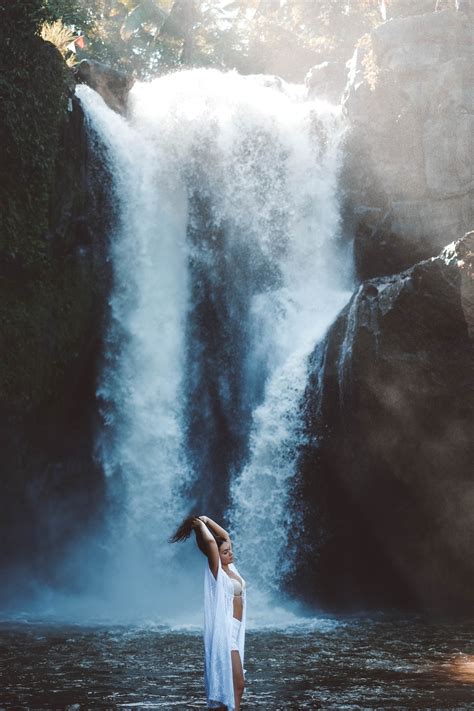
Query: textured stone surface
[[52, 311], [388, 470], [111, 84], [326, 81], [410, 104]]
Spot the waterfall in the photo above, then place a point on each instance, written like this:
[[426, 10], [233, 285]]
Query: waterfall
[[227, 269]]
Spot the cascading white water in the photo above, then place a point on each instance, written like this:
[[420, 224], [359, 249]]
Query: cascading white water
[[141, 445], [226, 273], [313, 289]]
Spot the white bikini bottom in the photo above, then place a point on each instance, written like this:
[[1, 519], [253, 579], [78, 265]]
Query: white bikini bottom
[[234, 647]]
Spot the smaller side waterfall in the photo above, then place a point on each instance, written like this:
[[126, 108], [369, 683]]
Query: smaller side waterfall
[[315, 279]]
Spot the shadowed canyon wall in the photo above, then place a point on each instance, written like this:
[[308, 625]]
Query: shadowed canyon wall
[[386, 475], [53, 283]]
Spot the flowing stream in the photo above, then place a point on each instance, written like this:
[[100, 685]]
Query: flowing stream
[[227, 269], [352, 664]]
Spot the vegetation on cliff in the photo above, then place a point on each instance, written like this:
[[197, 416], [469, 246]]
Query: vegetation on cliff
[[33, 93], [46, 292], [52, 287], [149, 37]]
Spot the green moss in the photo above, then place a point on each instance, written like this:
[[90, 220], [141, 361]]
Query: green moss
[[33, 94], [48, 291], [45, 325]]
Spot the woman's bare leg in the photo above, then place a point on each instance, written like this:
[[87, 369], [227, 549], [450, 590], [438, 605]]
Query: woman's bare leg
[[238, 677]]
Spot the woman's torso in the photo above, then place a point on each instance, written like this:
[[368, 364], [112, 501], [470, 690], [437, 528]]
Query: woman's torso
[[238, 599]]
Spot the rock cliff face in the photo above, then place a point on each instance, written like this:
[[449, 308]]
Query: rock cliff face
[[410, 105], [387, 474], [111, 84], [53, 282], [386, 479]]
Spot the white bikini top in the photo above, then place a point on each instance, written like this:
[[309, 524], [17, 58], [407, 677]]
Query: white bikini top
[[239, 587]]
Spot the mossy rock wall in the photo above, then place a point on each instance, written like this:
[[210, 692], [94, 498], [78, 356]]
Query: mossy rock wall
[[53, 286]]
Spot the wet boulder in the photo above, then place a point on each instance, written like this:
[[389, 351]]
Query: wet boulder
[[111, 84], [387, 473]]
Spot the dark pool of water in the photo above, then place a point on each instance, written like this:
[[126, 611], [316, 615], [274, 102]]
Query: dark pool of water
[[361, 663]]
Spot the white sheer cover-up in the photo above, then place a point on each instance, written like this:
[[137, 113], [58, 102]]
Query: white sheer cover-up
[[218, 613]]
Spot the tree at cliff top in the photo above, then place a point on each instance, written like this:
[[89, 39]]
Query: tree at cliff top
[[144, 38], [287, 38], [156, 36]]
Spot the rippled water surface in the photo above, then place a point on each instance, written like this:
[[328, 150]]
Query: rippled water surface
[[333, 664]]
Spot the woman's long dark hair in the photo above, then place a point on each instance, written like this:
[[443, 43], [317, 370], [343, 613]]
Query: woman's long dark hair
[[185, 529]]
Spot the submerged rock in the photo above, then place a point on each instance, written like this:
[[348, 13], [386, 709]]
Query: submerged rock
[[387, 473]]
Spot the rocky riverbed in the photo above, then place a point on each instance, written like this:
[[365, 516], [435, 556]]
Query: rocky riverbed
[[351, 663]]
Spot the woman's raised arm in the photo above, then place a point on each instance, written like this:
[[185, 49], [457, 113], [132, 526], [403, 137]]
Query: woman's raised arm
[[218, 530], [207, 544]]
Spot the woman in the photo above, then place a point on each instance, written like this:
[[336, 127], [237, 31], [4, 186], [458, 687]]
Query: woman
[[224, 613]]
